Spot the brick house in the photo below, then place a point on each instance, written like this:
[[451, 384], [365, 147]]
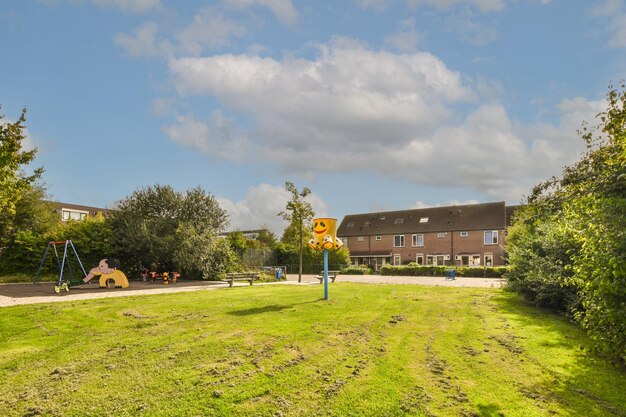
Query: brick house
[[465, 235], [69, 211]]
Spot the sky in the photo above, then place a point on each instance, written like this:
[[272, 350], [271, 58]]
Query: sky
[[375, 105]]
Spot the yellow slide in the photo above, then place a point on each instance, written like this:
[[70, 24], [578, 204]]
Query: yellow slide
[[115, 279]]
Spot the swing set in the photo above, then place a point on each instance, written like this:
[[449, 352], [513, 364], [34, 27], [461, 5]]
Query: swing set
[[65, 263], [114, 278]]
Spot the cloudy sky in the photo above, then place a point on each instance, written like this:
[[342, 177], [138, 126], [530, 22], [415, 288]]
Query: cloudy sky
[[372, 104]]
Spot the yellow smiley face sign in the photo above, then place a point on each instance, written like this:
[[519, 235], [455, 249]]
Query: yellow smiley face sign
[[325, 234]]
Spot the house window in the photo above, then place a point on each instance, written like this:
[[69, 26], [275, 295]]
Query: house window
[[419, 259], [475, 260], [379, 237], [66, 215], [350, 224], [441, 235], [424, 220], [397, 260], [491, 237], [382, 218], [398, 221], [360, 238], [488, 259], [418, 240], [464, 234], [398, 241], [430, 259], [367, 224]]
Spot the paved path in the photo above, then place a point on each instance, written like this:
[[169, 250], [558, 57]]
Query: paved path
[[28, 293]]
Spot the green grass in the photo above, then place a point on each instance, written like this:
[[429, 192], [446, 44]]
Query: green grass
[[371, 350]]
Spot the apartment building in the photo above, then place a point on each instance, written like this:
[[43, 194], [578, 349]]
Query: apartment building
[[464, 235]]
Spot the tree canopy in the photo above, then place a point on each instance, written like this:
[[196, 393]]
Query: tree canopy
[[15, 184], [568, 246], [163, 229]]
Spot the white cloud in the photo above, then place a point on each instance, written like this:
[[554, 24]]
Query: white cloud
[[421, 204], [261, 205], [144, 42], [470, 30], [373, 4], [209, 30], [614, 11], [482, 5], [357, 110], [135, 6], [406, 38], [219, 137], [283, 9]]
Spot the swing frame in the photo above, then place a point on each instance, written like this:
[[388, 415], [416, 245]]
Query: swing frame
[[63, 282]]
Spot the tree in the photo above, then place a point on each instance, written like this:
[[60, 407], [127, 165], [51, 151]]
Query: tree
[[14, 183], [570, 241], [153, 223], [299, 213]]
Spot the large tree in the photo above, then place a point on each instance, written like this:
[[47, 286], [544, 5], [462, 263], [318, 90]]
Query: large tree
[[163, 229], [568, 246], [299, 213], [15, 184]]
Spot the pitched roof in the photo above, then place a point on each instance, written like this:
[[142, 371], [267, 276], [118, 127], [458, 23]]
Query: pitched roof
[[90, 209], [424, 220]]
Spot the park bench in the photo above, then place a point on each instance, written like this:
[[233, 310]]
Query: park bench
[[231, 277], [332, 275]]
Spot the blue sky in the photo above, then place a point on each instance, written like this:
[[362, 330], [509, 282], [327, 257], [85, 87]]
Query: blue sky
[[373, 104]]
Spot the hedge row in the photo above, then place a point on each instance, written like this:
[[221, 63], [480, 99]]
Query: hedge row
[[357, 270], [440, 271]]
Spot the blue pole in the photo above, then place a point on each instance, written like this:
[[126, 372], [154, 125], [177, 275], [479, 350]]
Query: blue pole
[[325, 274]]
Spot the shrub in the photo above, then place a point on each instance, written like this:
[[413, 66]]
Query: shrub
[[416, 270], [357, 270]]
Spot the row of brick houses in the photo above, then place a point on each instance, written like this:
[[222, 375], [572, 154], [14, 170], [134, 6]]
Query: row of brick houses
[[464, 235]]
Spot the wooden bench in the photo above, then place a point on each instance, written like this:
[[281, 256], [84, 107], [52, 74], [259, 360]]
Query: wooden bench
[[241, 276], [332, 275]]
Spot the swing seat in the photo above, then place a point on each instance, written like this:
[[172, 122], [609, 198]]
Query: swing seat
[[115, 279]]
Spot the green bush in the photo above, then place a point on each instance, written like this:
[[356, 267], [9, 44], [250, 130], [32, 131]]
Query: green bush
[[357, 270], [416, 270]]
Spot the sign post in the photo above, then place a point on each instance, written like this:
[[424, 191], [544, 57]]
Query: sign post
[[325, 238]]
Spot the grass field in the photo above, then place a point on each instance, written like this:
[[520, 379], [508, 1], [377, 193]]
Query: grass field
[[372, 350]]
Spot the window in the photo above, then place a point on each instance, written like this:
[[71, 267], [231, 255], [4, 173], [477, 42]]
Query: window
[[464, 234], [398, 221], [488, 259], [379, 237], [430, 260], [367, 224], [382, 218], [350, 224], [424, 220], [418, 240], [66, 215], [419, 259], [475, 260], [441, 235], [397, 260], [491, 237], [398, 241], [360, 238]]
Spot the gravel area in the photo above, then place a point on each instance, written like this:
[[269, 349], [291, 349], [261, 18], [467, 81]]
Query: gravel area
[[28, 293]]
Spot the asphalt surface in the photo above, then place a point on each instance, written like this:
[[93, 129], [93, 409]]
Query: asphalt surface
[[29, 293]]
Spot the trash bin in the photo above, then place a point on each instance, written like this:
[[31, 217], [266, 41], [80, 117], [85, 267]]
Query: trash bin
[[279, 273], [451, 274]]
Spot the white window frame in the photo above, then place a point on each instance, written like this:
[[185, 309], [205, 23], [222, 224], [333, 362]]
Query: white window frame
[[419, 257], [379, 237], [395, 237], [360, 238], [488, 259], [423, 219], [397, 259], [415, 240], [464, 234], [398, 221], [441, 235], [493, 234]]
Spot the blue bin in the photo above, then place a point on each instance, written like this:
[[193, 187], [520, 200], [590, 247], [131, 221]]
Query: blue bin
[[451, 274], [279, 273]]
